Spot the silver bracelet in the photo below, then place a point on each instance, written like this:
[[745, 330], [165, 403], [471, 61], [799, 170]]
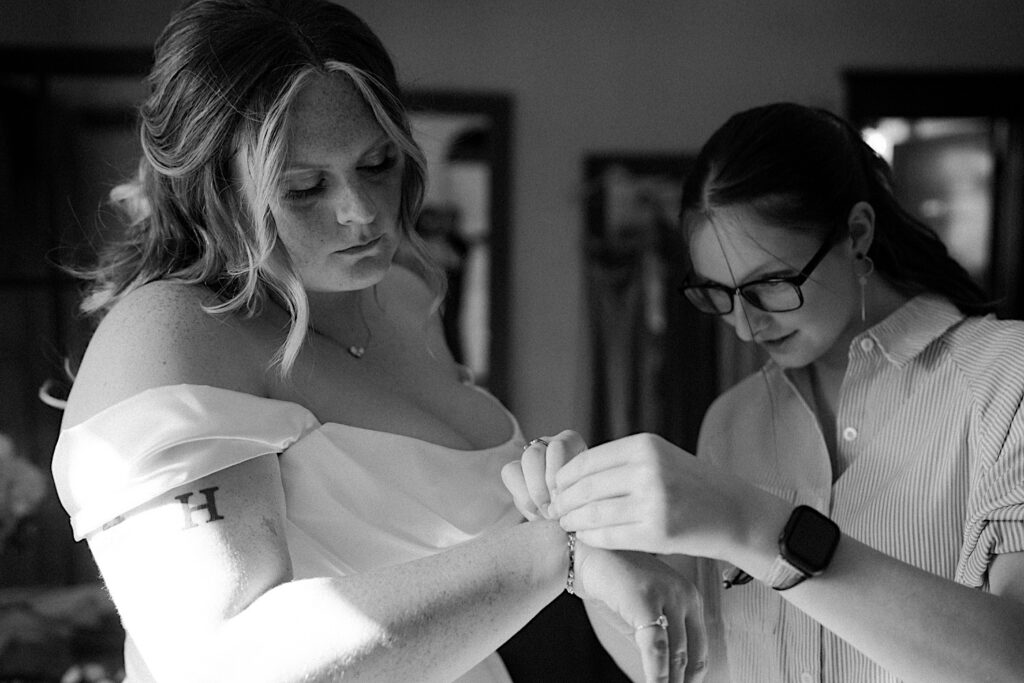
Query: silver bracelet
[[570, 577]]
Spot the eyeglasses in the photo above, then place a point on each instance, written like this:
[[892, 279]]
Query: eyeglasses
[[773, 294]]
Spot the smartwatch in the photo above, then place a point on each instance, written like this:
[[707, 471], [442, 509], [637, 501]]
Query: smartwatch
[[806, 547]]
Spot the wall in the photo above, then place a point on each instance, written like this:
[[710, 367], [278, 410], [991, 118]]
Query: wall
[[603, 75]]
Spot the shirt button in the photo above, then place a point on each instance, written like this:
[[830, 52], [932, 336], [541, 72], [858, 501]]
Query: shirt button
[[849, 434], [867, 343], [806, 678]]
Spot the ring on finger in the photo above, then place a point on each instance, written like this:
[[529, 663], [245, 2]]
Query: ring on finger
[[534, 442], [661, 622]]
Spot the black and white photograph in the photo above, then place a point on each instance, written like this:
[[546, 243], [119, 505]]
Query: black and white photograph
[[475, 341]]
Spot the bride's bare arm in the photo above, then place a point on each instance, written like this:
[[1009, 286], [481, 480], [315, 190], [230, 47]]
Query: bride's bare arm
[[202, 580]]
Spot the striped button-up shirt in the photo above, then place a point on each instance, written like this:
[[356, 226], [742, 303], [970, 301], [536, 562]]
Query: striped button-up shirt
[[930, 453]]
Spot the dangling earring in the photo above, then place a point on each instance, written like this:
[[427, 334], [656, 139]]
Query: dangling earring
[[869, 267]]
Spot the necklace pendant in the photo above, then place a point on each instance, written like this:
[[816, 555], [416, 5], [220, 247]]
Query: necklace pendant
[[356, 351]]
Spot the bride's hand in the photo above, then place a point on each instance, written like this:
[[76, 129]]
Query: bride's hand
[[531, 479], [634, 590]]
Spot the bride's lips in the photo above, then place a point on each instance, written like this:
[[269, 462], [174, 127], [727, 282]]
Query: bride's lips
[[360, 248]]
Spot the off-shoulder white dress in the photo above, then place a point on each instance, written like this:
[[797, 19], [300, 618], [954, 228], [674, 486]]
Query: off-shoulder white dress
[[356, 499]]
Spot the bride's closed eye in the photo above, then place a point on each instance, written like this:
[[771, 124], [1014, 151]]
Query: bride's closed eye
[[298, 194]]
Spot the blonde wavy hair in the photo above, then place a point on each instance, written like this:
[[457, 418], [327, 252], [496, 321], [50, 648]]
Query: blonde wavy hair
[[225, 76]]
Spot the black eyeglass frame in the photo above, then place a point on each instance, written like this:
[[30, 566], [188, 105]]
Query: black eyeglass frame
[[795, 280]]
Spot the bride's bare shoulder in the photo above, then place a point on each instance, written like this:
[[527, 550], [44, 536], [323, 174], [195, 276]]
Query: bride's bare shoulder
[[161, 334], [408, 291]]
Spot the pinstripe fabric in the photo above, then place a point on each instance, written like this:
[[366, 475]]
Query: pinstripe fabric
[[930, 441]]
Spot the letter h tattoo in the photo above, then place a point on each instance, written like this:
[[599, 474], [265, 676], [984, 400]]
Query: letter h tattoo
[[210, 506]]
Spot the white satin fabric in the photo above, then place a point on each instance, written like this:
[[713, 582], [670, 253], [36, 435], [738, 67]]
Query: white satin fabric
[[356, 499]]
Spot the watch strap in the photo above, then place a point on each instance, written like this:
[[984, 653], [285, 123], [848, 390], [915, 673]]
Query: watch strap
[[782, 575]]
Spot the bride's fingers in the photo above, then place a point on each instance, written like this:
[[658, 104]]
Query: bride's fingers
[[515, 482], [652, 639], [562, 448], [678, 655], [533, 465], [685, 657], [695, 653], [570, 441]]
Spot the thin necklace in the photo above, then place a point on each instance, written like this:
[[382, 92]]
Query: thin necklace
[[355, 350]]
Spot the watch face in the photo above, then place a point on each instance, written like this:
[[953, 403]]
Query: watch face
[[810, 539]]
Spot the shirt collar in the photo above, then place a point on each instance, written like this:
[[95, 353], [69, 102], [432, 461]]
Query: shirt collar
[[908, 330]]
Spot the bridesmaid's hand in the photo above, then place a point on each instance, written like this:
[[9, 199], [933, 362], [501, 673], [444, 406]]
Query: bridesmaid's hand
[[641, 492]]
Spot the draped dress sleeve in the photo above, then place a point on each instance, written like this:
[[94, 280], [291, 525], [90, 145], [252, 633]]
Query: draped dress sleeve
[[163, 438]]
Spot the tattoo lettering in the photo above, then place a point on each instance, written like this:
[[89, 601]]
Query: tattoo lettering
[[210, 506]]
